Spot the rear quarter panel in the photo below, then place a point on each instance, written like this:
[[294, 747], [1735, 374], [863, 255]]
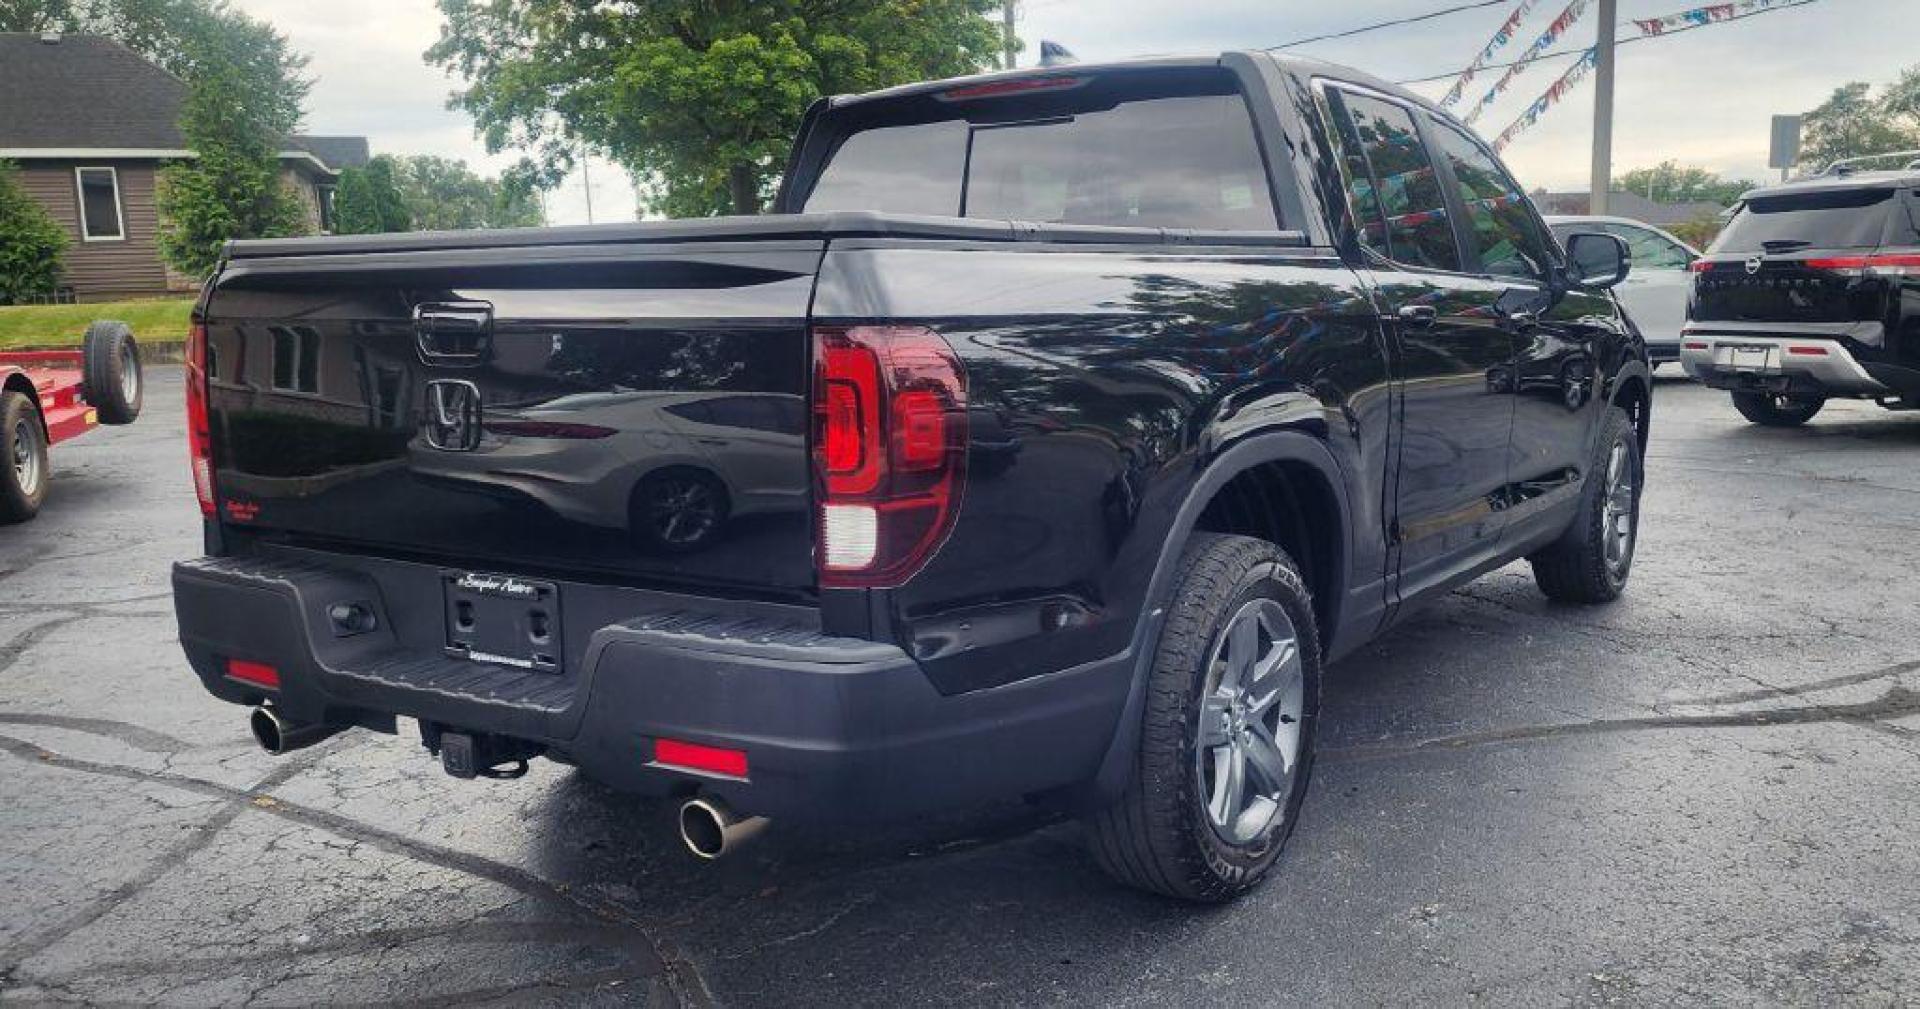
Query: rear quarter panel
[[1102, 381]]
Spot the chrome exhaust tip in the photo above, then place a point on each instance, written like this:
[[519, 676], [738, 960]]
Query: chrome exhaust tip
[[277, 735], [710, 829]]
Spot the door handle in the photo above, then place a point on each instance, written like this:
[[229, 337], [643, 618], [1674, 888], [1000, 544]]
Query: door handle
[[1418, 316], [453, 332], [1520, 322]]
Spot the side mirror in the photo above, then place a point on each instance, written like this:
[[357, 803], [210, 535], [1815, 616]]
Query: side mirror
[[1597, 260]]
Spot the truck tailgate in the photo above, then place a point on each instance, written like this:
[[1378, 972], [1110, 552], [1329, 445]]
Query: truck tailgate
[[629, 410]]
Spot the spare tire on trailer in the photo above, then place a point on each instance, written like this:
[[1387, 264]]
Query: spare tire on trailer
[[110, 373]]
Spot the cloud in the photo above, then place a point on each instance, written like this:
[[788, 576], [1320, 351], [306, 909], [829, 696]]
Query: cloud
[[370, 79]]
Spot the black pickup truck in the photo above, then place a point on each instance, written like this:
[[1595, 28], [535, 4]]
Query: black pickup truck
[[1047, 443]]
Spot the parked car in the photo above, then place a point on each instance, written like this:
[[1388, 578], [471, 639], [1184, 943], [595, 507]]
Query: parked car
[[1655, 292], [51, 396], [1136, 394], [1812, 292]]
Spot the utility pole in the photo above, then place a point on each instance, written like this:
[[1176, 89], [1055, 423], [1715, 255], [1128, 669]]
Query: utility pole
[[586, 181], [1011, 41], [1603, 110]]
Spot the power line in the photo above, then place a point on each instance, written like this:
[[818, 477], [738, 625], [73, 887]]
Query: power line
[[1669, 33], [1376, 26]]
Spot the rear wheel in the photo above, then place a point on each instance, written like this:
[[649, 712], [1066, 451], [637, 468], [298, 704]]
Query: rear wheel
[[1226, 740], [110, 374], [678, 510], [1770, 410], [23, 459]]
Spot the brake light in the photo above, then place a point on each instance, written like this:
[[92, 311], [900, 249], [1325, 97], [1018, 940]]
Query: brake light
[[1022, 86], [1881, 264], [1807, 350], [199, 436], [1700, 265], [889, 450]]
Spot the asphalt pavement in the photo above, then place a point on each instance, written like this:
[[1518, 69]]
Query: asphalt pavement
[[1707, 793]]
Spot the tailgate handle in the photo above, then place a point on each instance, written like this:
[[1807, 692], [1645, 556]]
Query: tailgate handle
[[453, 332]]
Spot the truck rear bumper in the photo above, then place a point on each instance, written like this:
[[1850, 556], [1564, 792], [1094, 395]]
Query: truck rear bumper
[[1809, 366], [830, 726]]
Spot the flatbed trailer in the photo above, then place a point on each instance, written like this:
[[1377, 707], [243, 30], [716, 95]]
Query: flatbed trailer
[[51, 396]]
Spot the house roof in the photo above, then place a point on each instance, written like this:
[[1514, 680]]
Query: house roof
[[80, 94], [1622, 203], [84, 91], [336, 152]]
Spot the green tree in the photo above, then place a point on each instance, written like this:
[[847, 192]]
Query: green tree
[[1668, 182], [1853, 123], [443, 194], [31, 243], [368, 200], [697, 99], [244, 97]]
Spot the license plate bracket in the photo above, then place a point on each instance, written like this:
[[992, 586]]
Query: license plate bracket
[[504, 620], [1759, 359]]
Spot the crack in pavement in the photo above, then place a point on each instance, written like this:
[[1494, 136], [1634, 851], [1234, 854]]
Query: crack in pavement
[[1897, 702], [1769, 691], [25, 949], [17, 647], [541, 933], [136, 736], [662, 959]]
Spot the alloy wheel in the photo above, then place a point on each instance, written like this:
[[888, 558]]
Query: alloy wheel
[[1248, 745]]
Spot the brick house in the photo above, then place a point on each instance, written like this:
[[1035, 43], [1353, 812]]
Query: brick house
[[88, 123]]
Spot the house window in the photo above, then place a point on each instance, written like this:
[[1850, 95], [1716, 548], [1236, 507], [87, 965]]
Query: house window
[[296, 359], [100, 219], [323, 195]]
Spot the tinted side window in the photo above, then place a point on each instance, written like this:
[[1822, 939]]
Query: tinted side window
[[1650, 251], [1505, 232], [1394, 178]]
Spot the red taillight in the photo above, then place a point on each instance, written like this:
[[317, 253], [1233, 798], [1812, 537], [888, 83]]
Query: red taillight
[[257, 673], [1693, 346], [1884, 264], [1700, 265], [1023, 86], [695, 757], [1807, 350], [199, 436], [889, 448]]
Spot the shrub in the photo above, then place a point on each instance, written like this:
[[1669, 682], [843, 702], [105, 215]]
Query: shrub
[[31, 243]]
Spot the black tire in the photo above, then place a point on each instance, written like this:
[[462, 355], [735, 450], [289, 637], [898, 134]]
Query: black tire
[[1159, 835], [111, 375], [1580, 567], [1769, 410], [23, 459], [678, 510]]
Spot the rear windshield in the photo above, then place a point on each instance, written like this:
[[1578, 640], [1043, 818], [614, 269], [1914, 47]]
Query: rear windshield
[[1847, 219], [1158, 150]]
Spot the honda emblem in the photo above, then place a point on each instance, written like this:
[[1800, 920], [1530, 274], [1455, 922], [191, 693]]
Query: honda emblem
[[1753, 265], [453, 416]]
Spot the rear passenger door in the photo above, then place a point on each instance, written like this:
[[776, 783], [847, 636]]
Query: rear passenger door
[[1455, 354], [1557, 333]]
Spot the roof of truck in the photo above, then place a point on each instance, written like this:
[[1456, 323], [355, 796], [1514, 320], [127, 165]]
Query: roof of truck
[[1886, 179], [1301, 65]]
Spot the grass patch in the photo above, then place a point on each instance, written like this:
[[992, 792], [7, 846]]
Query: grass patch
[[154, 320]]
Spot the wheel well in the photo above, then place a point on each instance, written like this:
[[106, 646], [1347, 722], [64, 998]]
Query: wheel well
[[1289, 504], [19, 383], [1632, 397]]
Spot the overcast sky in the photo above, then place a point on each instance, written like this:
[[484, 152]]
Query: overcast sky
[[1701, 98]]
